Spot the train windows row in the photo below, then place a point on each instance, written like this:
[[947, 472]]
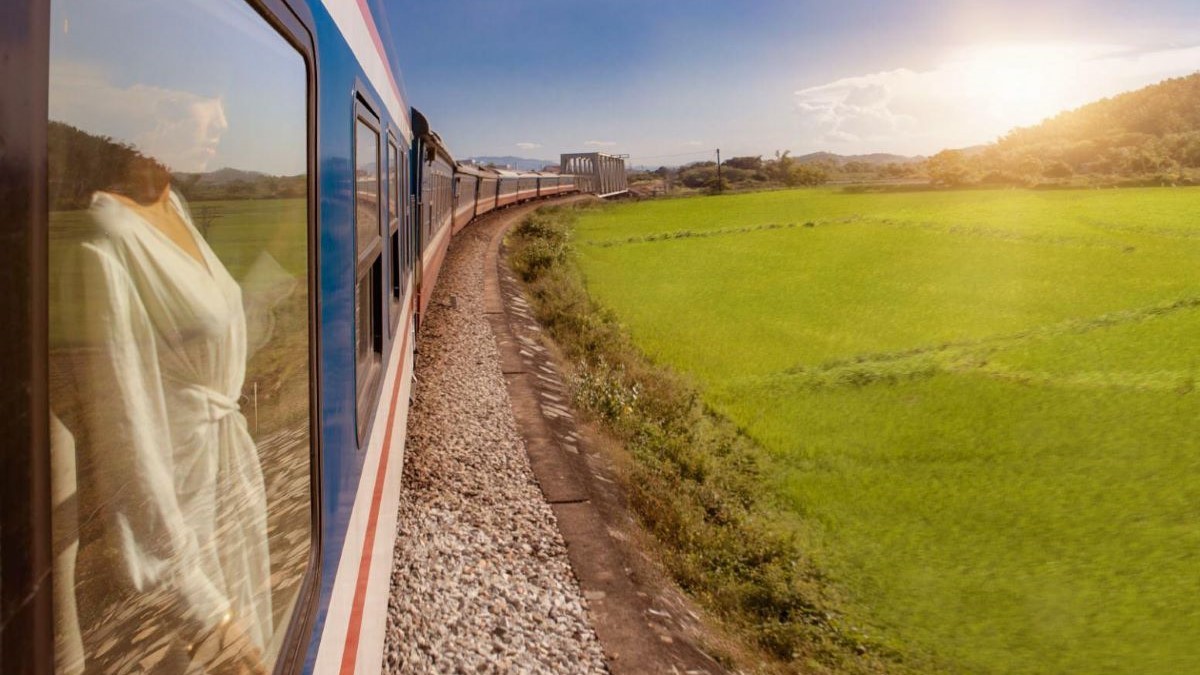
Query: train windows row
[[368, 286], [381, 188]]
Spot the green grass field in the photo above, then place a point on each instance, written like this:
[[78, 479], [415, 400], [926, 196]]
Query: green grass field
[[980, 404]]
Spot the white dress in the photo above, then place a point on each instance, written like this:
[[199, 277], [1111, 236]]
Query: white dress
[[177, 472]]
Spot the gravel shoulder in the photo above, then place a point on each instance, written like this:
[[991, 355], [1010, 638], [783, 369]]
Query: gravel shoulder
[[481, 580]]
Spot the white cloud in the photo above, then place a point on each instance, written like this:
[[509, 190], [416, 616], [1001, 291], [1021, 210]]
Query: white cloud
[[528, 145], [693, 144], [179, 128], [600, 144], [976, 95]]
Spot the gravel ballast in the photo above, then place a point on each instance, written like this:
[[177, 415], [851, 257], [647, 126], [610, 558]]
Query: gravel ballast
[[480, 580]]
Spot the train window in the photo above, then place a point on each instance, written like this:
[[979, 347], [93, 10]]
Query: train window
[[179, 352], [368, 286], [394, 261]]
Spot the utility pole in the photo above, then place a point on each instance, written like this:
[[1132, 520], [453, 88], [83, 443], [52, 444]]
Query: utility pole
[[720, 188]]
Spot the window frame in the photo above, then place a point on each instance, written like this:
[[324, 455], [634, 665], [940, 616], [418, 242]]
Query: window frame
[[368, 263], [26, 553], [393, 241]]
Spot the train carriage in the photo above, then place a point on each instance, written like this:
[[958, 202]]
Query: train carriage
[[527, 186], [567, 183], [467, 185], [489, 184], [547, 184], [507, 183], [433, 173]]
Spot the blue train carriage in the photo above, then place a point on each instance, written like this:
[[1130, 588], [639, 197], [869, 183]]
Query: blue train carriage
[[433, 171], [210, 263], [472, 188], [547, 184], [507, 184], [527, 186], [487, 187]]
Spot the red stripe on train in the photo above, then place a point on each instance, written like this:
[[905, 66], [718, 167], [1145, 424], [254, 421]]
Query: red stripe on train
[[354, 630]]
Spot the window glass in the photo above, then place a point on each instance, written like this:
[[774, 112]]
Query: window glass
[[179, 348], [364, 333], [367, 185], [393, 185]]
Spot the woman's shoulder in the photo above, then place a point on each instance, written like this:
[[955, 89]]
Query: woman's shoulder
[[110, 215]]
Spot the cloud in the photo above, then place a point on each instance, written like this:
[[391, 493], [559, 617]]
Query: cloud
[[528, 145], [600, 144], [693, 144], [976, 95], [179, 128]]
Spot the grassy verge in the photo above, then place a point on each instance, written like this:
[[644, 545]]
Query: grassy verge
[[695, 481]]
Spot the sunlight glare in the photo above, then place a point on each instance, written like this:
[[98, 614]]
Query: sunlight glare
[[1019, 83]]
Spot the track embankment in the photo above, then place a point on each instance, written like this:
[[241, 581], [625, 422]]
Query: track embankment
[[515, 552]]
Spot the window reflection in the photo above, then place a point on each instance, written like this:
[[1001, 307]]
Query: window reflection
[[179, 352]]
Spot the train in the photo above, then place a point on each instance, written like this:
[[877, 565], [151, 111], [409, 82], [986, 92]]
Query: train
[[222, 221]]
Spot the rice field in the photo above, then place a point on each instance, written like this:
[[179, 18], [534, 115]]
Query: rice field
[[980, 405]]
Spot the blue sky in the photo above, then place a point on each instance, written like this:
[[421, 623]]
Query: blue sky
[[666, 81]]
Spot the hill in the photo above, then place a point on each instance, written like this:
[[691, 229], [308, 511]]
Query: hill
[[223, 176], [1149, 135], [873, 159]]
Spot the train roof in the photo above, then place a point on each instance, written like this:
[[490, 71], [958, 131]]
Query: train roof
[[475, 170]]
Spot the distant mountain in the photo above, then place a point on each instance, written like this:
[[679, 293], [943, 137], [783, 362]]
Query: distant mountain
[[228, 183], [223, 176], [518, 163], [872, 158]]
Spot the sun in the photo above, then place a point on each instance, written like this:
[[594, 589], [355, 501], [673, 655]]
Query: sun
[[1018, 83]]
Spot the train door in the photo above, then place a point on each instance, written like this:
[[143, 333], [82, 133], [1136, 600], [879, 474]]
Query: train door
[[420, 212]]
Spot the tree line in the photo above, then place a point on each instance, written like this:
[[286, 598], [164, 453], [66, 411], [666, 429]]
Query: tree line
[[1150, 135], [82, 163]]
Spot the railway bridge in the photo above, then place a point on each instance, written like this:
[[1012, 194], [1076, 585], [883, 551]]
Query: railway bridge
[[598, 173]]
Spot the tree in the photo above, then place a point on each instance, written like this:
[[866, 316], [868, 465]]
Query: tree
[[748, 163], [807, 174], [781, 168], [1057, 169], [948, 167]]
